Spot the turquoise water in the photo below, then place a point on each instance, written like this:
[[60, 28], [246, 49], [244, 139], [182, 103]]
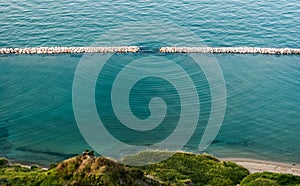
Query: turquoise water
[[37, 122], [261, 121], [219, 23]]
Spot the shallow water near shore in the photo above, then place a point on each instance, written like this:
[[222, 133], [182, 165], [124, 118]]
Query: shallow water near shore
[[261, 120]]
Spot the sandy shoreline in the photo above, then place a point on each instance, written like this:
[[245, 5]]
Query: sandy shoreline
[[254, 165]]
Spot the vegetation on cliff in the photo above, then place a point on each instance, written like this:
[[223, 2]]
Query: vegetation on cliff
[[180, 169], [270, 179], [192, 169]]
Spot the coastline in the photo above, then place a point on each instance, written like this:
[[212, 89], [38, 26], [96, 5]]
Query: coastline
[[182, 168], [255, 165]]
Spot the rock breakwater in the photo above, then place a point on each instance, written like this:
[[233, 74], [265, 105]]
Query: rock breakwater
[[61, 50], [236, 50], [133, 49]]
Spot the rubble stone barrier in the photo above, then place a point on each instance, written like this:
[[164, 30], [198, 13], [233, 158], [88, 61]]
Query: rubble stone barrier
[[236, 50], [134, 49], [61, 50]]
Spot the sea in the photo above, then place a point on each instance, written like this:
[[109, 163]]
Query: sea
[[39, 121]]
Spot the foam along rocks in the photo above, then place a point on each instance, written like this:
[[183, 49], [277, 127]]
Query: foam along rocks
[[61, 50], [236, 50]]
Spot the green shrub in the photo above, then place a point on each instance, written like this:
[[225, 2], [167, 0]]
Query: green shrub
[[146, 157], [34, 167], [3, 161], [220, 182], [200, 169], [270, 178], [262, 182], [52, 166]]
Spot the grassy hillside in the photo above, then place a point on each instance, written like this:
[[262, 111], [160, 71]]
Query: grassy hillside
[[180, 169], [271, 179], [80, 170], [192, 169]]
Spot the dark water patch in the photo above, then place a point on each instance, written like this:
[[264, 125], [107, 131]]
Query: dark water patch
[[244, 143], [3, 133], [216, 141], [52, 153], [5, 146]]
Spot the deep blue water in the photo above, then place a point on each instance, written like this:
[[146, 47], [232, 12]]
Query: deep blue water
[[262, 119]]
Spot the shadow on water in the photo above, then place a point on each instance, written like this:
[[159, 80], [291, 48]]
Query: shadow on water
[[63, 155], [5, 146], [244, 143]]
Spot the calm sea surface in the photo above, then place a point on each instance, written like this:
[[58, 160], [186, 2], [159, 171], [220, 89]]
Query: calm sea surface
[[262, 119]]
